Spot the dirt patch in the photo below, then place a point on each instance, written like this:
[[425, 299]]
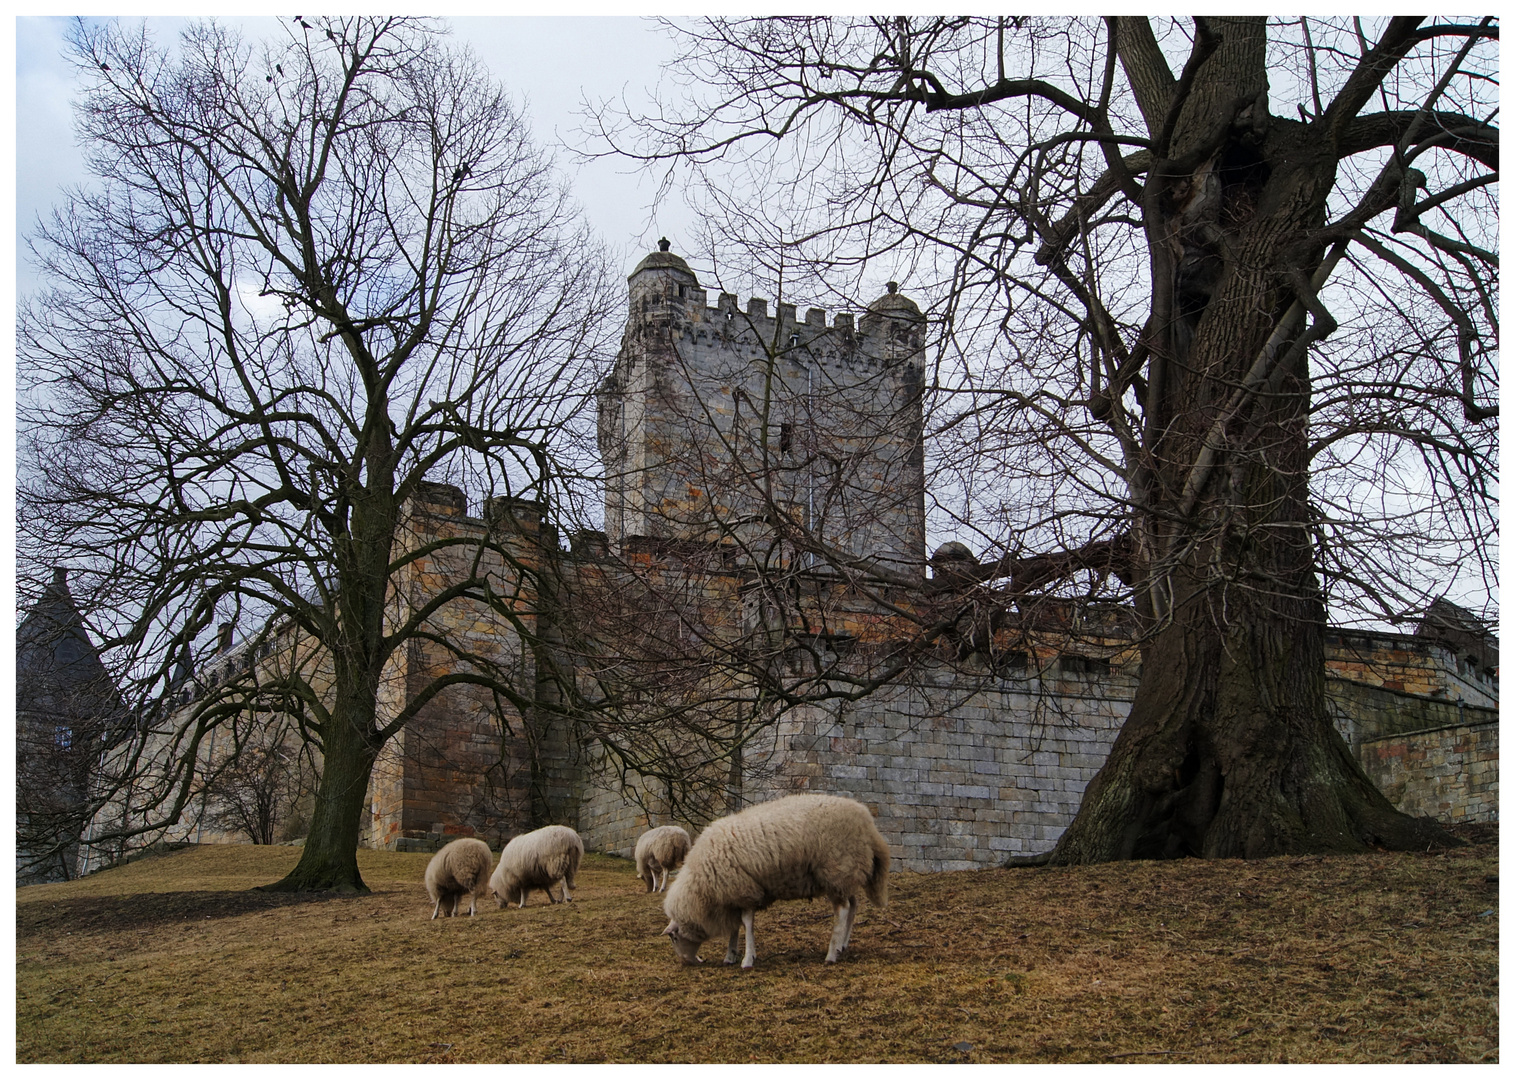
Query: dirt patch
[[1379, 957]]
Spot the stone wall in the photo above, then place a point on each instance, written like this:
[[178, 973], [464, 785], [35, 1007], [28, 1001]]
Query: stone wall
[[1364, 711], [960, 772], [1449, 773], [1411, 664], [963, 773]]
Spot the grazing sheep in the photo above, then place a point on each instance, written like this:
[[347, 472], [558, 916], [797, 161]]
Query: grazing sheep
[[537, 860], [460, 867], [660, 849], [789, 849]]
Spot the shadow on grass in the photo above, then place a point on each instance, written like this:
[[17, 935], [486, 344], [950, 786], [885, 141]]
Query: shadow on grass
[[141, 911]]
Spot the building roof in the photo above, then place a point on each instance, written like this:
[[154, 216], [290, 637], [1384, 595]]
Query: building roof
[[896, 303], [661, 259], [58, 668]]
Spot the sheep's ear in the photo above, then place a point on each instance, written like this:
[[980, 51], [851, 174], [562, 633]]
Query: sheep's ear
[[673, 929]]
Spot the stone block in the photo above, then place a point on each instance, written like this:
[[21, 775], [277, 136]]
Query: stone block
[[971, 791]]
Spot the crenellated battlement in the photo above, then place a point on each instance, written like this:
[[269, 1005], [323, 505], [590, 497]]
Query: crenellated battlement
[[666, 295]]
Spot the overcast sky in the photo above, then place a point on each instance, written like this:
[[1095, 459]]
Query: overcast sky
[[550, 64]]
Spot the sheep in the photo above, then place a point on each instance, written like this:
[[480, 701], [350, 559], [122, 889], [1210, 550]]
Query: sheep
[[537, 860], [460, 867], [788, 849], [662, 849]]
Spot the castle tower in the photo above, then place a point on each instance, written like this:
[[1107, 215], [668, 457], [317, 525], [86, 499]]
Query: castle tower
[[717, 422]]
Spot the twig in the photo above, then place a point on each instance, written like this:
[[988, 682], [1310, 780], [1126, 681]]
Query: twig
[[1145, 1053]]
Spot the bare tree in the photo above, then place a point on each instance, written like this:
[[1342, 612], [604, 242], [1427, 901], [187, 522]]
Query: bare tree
[[314, 276], [1217, 300], [258, 791]]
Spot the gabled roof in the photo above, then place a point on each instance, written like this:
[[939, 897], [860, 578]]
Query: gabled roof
[[58, 667]]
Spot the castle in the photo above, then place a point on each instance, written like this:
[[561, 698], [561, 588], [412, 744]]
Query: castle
[[726, 433]]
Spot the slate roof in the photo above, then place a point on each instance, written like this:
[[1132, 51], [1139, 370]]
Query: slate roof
[[59, 673]]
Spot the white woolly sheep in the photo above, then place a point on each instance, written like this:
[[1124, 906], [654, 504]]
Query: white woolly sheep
[[788, 849], [460, 867], [660, 849], [537, 860]]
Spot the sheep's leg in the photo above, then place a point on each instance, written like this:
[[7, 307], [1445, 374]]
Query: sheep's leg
[[841, 933], [436, 910], [473, 900], [567, 896], [750, 957], [731, 947]]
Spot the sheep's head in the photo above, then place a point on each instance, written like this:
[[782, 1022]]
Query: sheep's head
[[509, 896], [686, 941]]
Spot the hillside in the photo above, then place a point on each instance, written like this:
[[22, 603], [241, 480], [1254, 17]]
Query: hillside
[[1366, 958]]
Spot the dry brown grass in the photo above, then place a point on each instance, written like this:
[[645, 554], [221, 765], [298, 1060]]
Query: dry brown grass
[[1370, 958]]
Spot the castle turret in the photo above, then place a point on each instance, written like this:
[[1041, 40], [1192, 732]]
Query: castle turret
[[662, 284], [725, 425]]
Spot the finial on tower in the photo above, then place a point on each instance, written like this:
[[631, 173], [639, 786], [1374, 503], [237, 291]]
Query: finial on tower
[[893, 286], [663, 244]]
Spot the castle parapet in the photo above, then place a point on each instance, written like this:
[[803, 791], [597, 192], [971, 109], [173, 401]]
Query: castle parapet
[[665, 291]]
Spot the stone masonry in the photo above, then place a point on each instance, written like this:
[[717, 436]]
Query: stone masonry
[[1450, 773], [714, 421]]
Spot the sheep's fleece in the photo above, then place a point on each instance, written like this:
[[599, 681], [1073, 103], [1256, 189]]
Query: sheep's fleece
[[460, 867], [537, 860], [788, 849], [660, 850]]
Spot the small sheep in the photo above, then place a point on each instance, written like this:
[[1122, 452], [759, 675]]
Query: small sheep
[[537, 860], [788, 849], [460, 867], [660, 849]]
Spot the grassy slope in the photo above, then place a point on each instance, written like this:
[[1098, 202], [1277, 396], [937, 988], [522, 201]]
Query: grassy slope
[[1371, 958]]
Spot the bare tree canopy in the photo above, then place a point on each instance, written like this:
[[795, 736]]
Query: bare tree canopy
[[314, 276], [1217, 296]]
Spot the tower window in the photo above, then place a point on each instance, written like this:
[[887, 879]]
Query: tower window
[[786, 436]]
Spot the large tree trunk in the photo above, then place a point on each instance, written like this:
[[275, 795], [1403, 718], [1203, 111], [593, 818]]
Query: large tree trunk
[[350, 742], [1229, 750], [329, 859]]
